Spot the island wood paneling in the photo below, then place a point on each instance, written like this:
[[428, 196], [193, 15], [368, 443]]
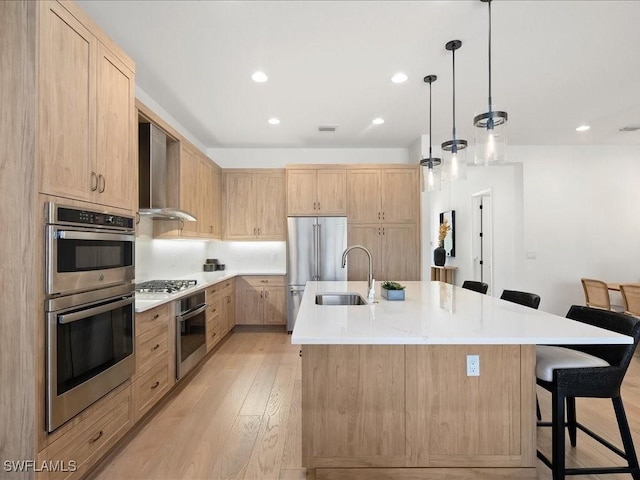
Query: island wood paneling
[[353, 405], [18, 185]]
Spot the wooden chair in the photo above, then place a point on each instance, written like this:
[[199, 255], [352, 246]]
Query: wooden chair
[[596, 293], [591, 371], [479, 287], [631, 296]]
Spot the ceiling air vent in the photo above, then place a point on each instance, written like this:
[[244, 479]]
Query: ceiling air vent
[[327, 128], [630, 128]]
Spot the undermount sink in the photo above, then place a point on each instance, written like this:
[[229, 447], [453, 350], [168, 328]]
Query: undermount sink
[[340, 299]]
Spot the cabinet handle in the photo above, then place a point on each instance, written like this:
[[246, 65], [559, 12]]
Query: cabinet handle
[[214, 334], [261, 294], [318, 205], [181, 224], [155, 385], [94, 186], [266, 294], [97, 437], [157, 315], [264, 281], [254, 230], [383, 215], [378, 215], [104, 183], [379, 231], [210, 228], [314, 205], [137, 218], [383, 230], [228, 299], [156, 347]]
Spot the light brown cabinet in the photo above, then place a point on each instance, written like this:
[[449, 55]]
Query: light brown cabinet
[[197, 180], [255, 205], [86, 114], [388, 195], [316, 191], [262, 301], [394, 249], [155, 365], [220, 312]]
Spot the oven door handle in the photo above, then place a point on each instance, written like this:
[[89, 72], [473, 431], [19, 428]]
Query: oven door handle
[[75, 235], [192, 313], [73, 317]]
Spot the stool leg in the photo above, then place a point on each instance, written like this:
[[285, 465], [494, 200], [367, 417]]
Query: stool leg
[[538, 413], [557, 435], [625, 433], [571, 420]]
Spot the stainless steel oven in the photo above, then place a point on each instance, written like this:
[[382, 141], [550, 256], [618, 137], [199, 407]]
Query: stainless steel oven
[[87, 249], [190, 332], [90, 348]]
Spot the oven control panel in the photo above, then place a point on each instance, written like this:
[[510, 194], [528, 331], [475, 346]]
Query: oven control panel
[[69, 215]]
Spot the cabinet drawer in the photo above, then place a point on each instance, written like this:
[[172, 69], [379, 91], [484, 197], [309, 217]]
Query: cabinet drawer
[[152, 318], [259, 281], [90, 439], [227, 285], [212, 291], [150, 388], [214, 308], [213, 332], [151, 347]]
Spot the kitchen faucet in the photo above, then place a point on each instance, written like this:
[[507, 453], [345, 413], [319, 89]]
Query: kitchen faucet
[[371, 292]]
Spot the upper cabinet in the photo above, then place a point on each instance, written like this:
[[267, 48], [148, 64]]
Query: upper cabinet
[[386, 195], [86, 114], [316, 191], [254, 205]]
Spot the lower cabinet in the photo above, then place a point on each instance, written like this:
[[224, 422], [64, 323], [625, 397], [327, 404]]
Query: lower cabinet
[[262, 301], [89, 437], [155, 364], [220, 312]]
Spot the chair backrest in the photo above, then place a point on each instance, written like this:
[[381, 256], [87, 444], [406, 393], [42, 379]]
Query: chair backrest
[[631, 297], [596, 293], [475, 286], [616, 355], [523, 298]]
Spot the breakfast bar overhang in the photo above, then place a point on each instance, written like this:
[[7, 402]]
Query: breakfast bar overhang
[[386, 392]]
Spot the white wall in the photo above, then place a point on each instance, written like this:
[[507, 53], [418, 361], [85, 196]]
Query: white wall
[[572, 207], [279, 157]]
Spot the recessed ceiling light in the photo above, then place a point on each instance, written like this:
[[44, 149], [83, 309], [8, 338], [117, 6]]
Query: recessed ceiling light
[[399, 78], [273, 121], [259, 77], [377, 121], [583, 128]]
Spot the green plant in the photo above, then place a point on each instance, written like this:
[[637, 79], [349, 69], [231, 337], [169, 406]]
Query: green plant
[[392, 286]]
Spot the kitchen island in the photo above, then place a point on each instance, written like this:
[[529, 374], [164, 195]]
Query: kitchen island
[[386, 391]]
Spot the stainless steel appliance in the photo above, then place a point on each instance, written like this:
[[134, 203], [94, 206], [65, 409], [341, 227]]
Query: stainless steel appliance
[[87, 249], [90, 351], [314, 252], [190, 332], [165, 286]]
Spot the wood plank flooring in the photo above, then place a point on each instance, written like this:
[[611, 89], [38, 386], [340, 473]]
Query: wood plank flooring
[[239, 418]]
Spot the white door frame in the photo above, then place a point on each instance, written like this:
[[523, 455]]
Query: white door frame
[[487, 225]]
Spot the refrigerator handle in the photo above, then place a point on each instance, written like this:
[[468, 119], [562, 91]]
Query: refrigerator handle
[[315, 252], [319, 233]]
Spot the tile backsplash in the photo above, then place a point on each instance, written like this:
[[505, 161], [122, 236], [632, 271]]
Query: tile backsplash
[[168, 259]]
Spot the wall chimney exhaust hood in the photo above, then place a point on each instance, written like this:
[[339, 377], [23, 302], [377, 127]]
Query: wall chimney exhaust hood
[[154, 195]]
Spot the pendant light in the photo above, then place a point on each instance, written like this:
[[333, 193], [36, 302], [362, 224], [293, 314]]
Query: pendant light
[[432, 175], [455, 149], [490, 127]]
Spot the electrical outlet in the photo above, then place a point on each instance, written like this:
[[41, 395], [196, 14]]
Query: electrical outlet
[[473, 365]]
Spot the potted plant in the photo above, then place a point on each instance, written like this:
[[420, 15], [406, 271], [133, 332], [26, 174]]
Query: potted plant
[[392, 291], [440, 254]]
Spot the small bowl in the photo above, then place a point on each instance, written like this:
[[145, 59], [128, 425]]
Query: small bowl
[[220, 266], [209, 267]]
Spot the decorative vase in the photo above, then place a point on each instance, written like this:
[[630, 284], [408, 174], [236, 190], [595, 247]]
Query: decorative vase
[[439, 256]]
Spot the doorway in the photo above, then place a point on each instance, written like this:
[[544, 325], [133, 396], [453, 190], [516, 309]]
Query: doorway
[[482, 237]]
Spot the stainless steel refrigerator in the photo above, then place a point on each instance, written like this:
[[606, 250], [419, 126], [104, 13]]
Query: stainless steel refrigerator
[[314, 252]]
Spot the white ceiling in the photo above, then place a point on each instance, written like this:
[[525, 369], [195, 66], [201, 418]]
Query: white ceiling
[[556, 65]]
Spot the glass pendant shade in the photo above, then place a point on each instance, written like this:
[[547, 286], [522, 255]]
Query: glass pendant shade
[[455, 150], [490, 130], [456, 160], [491, 138], [432, 173]]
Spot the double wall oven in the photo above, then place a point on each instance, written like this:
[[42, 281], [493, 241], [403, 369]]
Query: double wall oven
[[89, 307]]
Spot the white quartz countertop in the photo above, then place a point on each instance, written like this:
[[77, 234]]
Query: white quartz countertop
[[435, 313], [147, 301]]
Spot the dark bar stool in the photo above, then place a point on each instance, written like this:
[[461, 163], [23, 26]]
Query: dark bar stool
[[475, 286], [594, 371]]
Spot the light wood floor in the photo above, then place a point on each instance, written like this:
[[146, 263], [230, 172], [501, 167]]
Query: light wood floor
[[239, 418]]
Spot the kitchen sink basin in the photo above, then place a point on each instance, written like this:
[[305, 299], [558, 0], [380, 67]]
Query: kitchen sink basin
[[340, 299]]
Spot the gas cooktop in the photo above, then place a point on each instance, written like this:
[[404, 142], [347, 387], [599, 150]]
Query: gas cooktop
[[165, 286]]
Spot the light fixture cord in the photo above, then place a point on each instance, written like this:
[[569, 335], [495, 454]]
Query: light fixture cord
[[490, 99], [430, 155], [454, 149]]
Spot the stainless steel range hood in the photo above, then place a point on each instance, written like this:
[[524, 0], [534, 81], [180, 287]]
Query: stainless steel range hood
[[152, 176]]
